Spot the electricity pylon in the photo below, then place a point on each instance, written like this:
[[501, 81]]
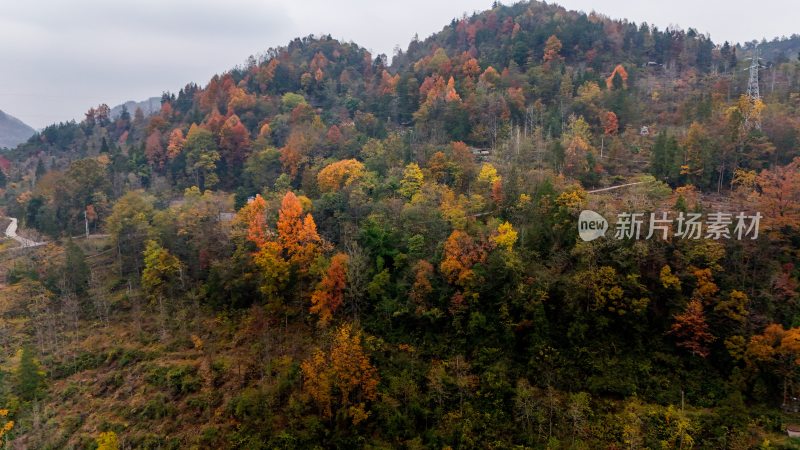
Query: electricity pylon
[[753, 91]]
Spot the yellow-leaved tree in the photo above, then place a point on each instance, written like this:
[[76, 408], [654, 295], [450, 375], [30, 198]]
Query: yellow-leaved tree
[[505, 237], [343, 379], [412, 180], [339, 174]]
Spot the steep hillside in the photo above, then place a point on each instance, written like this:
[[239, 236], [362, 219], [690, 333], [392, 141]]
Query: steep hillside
[[318, 249]]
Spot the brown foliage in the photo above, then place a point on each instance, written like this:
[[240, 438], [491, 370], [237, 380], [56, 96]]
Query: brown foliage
[[691, 330]]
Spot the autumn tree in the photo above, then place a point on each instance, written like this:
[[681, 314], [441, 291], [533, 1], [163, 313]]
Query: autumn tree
[[294, 153], [274, 269], [668, 279], [412, 181], [334, 136], [505, 237], [297, 234], [342, 173], [779, 196], [471, 68], [610, 123], [577, 144], [343, 379], [176, 143], [691, 330], [488, 175], [706, 289], [618, 78], [292, 246], [461, 253], [240, 101], [253, 216], [438, 166], [777, 349], [552, 50], [489, 178], [234, 143], [154, 149], [330, 292], [440, 114]]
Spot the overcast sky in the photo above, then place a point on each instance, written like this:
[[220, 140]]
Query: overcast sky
[[58, 57]]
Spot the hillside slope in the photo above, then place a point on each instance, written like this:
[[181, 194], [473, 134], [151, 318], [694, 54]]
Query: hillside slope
[[318, 249], [12, 131]]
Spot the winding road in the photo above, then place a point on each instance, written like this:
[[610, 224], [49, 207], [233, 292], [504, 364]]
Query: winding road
[[11, 232]]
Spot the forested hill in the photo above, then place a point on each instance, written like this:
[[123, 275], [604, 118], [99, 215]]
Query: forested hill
[[520, 32], [318, 249], [777, 50]]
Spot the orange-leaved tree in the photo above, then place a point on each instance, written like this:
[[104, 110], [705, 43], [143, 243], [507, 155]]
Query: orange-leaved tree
[[621, 76], [297, 234], [176, 142], [779, 196], [691, 329], [234, 141], [154, 150], [293, 246], [461, 254], [610, 123], [253, 216], [329, 295], [552, 50]]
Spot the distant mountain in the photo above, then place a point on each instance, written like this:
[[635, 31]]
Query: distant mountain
[[12, 131], [778, 50], [149, 106]]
